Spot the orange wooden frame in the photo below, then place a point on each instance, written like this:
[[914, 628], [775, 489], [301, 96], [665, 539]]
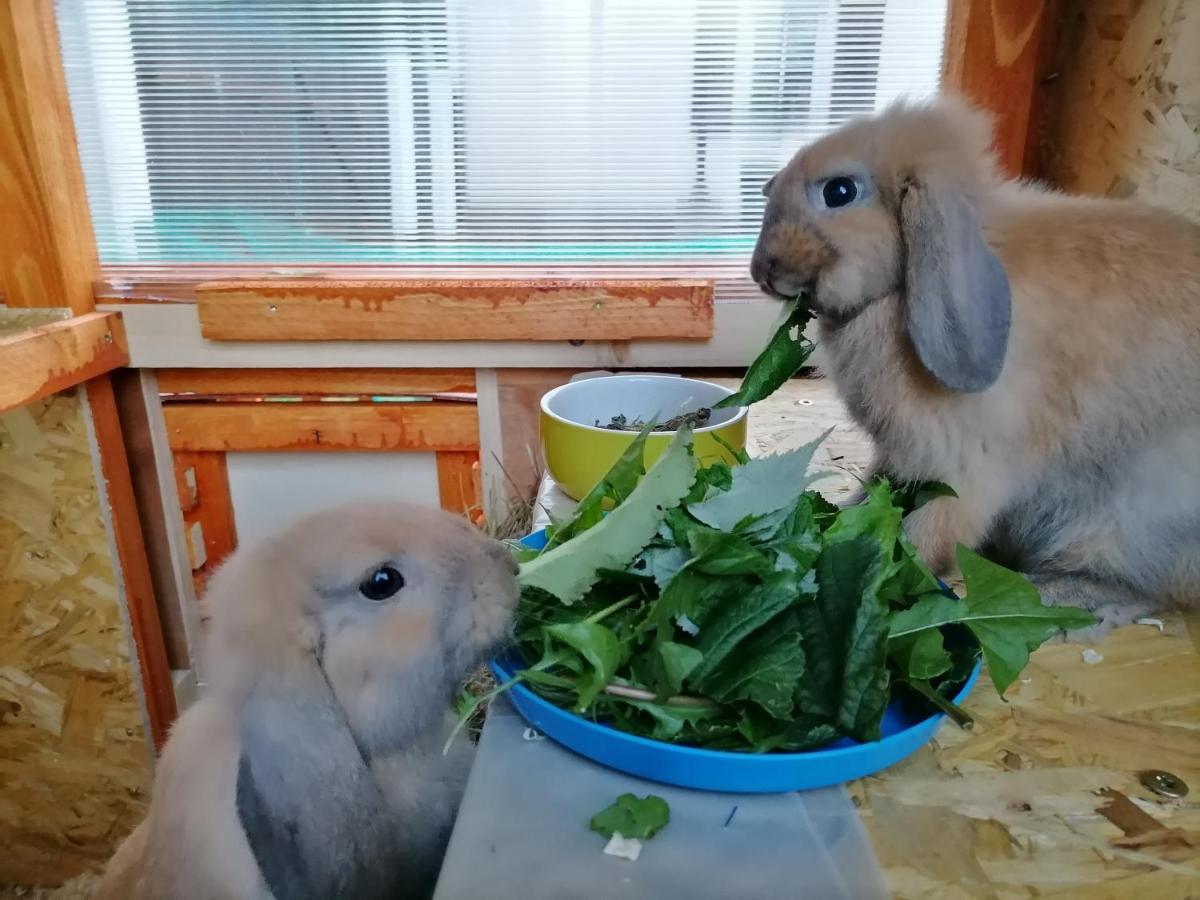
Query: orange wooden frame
[[335, 415], [54, 357]]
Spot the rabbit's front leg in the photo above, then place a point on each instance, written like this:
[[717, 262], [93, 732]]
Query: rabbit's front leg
[[943, 523]]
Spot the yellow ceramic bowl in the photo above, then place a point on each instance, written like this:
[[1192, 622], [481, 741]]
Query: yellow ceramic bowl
[[578, 453]]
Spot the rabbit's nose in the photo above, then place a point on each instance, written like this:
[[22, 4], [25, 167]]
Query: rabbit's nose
[[769, 275]]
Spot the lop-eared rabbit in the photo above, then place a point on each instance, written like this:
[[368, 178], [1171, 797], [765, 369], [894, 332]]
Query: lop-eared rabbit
[[312, 766], [1038, 352]]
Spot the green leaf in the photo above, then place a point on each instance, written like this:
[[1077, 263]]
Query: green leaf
[[915, 494], [711, 479], [739, 615], [678, 661], [661, 563], [806, 732], [615, 487], [722, 553], [764, 669], [632, 817], [845, 639], [877, 516], [785, 353], [921, 655], [669, 719], [599, 646], [698, 597], [761, 486], [909, 577], [570, 569], [1002, 609]]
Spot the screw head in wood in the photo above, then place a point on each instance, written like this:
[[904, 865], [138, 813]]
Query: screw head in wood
[[1164, 783]]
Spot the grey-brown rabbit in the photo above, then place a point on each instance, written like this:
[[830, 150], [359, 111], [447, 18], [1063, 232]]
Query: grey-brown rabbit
[[312, 766], [1038, 352]]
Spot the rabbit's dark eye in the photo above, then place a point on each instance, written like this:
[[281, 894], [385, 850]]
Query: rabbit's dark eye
[[384, 582], [839, 191]]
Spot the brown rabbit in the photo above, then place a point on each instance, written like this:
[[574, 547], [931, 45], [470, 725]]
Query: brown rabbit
[[1038, 352], [312, 766]]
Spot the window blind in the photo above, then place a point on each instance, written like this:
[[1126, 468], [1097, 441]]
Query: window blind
[[465, 132]]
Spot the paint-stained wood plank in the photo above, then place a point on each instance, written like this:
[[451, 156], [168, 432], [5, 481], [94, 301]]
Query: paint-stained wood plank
[[494, 310], [992, 57], [47, 252], [316, 382], [52, 358], [423, 426]]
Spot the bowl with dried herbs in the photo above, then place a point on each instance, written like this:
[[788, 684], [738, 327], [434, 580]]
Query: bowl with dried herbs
[[586, 425]]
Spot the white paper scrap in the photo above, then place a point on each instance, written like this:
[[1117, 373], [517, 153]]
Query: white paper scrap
[[626, 848]]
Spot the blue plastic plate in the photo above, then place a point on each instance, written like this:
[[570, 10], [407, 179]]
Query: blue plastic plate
[[717, 770]]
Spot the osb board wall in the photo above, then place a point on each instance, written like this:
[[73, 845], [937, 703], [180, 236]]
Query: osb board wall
[[74, 761], [1122, 112]]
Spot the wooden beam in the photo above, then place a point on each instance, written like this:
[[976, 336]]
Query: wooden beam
[[47, 251], [167, 336], [457, 482], [55, 357], [455, 310], [420, 426], [316, 382], [157, 686], [992, 57]]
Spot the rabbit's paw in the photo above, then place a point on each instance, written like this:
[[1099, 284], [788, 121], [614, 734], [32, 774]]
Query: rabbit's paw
[[1113, 605]]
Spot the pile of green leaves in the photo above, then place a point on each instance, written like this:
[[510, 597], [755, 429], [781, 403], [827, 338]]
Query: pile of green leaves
[[731, 608]]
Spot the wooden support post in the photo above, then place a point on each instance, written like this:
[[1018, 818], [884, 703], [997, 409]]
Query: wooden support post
[[457, 484], [992, 56], [47, 250], [157, 686], [153, 479]]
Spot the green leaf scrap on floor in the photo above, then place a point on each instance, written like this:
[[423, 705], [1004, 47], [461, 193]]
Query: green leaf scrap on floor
[[632, 817], [733, 609]]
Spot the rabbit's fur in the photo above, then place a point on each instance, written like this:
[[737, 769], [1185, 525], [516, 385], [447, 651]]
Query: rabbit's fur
[[1038, 352], [312, 766]]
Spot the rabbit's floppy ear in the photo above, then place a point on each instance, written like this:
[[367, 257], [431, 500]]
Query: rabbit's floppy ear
[[312, 812], [958, 298]]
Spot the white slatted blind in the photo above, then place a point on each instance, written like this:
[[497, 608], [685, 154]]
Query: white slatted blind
[[459, 132]]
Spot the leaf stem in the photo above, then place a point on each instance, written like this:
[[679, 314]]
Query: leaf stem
[[609, 610], [632, 693], [957, 714]]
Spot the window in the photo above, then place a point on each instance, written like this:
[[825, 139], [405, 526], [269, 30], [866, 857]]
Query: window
[[465, 132]]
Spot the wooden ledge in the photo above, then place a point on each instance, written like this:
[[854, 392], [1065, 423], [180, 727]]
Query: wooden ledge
[[492, 310], [55, 357], [418, 426]]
